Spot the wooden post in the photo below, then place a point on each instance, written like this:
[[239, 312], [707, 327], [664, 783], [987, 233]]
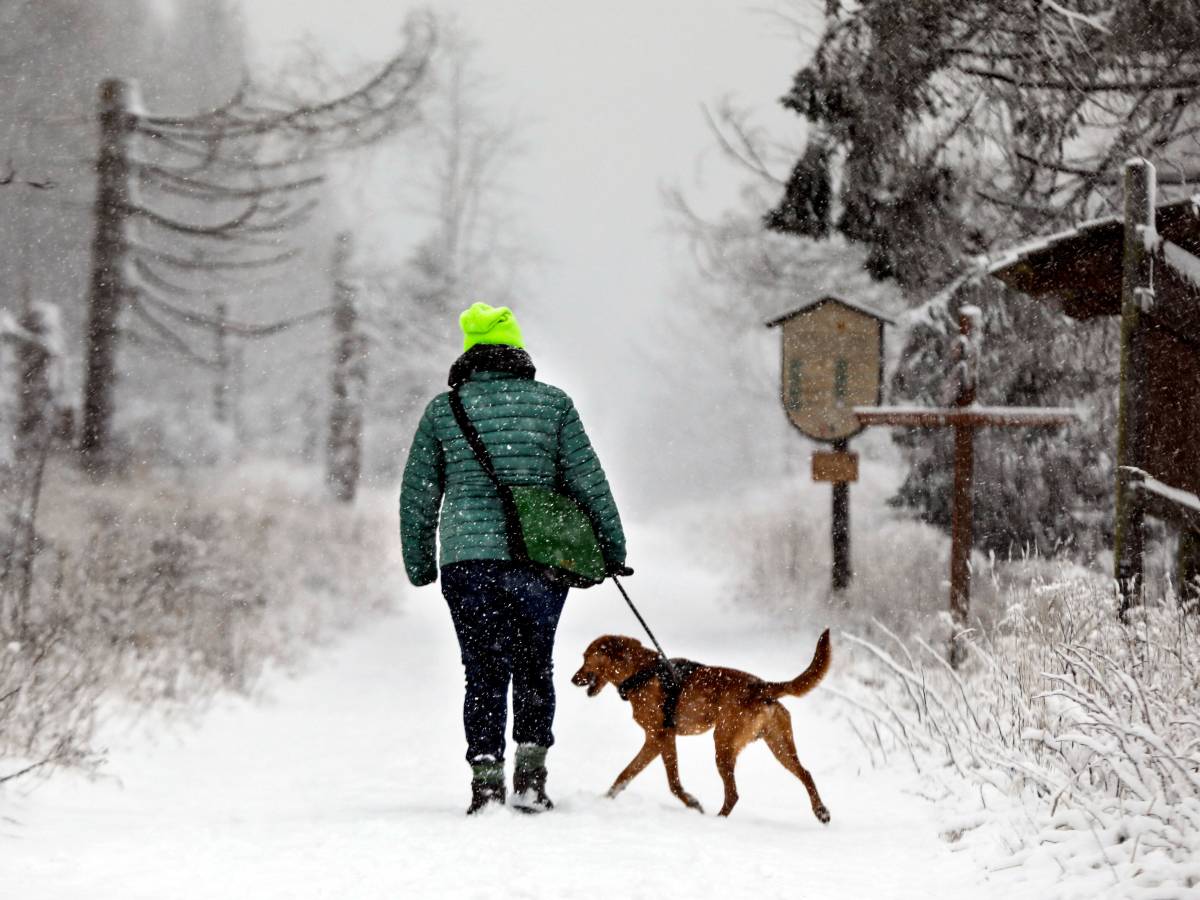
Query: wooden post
[[344, 456], [108, 288], [965, 417], [841, 526], [832, 361], [966, 359], [1137, 296]]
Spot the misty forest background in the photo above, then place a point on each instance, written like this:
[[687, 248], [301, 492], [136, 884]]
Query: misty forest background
[[203, 507]]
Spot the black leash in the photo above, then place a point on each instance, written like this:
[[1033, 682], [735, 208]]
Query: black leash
[[657, 646]]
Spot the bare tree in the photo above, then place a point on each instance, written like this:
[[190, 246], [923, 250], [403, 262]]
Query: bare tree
[[243, 172], [344, 449], [38, 342]]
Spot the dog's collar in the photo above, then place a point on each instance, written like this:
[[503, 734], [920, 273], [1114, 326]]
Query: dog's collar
[[671, 688]]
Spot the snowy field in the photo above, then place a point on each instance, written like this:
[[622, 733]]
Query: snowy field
[[348, 781]]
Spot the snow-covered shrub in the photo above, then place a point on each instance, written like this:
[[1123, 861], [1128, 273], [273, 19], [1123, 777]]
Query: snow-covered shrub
[[778, 548], [1079, 735], [48, 694], [145, 436], [165, 591]]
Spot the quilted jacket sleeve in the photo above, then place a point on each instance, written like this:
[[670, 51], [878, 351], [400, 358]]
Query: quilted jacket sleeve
[[420, 499], [584, 480]]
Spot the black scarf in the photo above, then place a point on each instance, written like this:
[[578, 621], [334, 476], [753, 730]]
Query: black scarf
[[491, 358]]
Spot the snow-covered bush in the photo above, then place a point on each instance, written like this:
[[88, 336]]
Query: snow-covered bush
[[778, 548], [1078, 735], [48, 693], [163, 592]]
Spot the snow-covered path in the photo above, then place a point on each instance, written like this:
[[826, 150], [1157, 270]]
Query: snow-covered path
[[349, 782]]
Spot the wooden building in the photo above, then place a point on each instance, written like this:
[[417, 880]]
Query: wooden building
[[1145, 267]]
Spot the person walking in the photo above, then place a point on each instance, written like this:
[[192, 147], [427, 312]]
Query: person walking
[[505, 612]]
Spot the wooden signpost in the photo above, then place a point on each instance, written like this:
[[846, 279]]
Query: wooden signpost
[[832, 362], [964, 417]]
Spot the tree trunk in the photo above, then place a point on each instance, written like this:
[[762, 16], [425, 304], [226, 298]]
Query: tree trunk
[[34, 359], [108, 288], [310, 444], [221, 352], [344, 453]]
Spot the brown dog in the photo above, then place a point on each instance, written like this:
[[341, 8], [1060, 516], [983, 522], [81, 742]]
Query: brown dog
[[738, 706]]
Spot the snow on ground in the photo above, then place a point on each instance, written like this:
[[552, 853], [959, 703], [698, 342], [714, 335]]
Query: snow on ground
[[348, 781]]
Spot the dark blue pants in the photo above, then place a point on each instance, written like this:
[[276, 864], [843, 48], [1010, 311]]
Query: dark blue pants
[[505, 614]]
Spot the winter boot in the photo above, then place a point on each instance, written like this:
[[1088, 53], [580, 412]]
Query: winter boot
[[487, 784], [529, 780]]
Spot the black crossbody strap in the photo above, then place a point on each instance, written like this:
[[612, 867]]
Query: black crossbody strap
[[512, 520]]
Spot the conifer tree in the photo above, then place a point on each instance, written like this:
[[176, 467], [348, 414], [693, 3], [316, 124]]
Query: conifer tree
[[954, 128]]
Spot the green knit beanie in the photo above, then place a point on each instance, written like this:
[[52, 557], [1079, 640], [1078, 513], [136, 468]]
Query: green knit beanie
[[483, 324]]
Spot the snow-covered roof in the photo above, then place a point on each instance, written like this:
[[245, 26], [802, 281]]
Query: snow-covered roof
[[829, 298], [993, 264], [1082, 266]]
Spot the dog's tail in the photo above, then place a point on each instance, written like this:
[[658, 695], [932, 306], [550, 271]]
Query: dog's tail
[[810, 677]]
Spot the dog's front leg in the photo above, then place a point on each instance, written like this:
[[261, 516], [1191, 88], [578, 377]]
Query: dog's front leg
[[645, 756], [671, 762]]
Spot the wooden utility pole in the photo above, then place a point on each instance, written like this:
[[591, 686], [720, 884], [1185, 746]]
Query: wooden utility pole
[[965, 356], [344, 453], [108, 288], [1137, 298], [964, 417]]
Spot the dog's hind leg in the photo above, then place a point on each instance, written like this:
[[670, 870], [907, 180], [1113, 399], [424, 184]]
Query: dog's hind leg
[[649, 752], [778, 735], [671, 762], [729, 742]]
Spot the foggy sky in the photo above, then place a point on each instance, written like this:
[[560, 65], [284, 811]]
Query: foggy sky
[[613, 94]]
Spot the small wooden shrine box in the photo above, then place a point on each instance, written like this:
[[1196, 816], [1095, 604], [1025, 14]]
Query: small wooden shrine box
[[832, 362]]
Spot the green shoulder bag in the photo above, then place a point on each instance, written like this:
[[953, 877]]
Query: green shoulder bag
[[543, 526]]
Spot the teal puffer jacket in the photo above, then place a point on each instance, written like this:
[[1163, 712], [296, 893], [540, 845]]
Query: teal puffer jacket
[[535, 438]]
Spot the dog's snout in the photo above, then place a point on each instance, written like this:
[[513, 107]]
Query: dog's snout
[[585, 678]]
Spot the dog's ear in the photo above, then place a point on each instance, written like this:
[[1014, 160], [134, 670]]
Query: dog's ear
[[614, 647]]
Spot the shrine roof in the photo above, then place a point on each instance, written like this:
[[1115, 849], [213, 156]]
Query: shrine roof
[[829, 298], [1082, 267]]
